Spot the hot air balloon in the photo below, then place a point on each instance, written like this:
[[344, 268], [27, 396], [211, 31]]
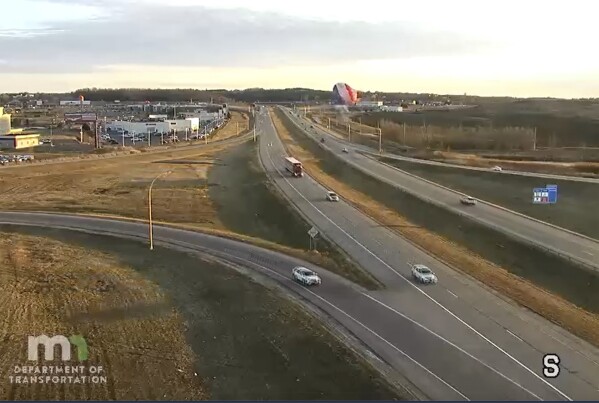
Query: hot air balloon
[[343, 94]]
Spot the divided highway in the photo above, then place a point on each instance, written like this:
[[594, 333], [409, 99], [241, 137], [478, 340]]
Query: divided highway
[[477, 346], [566, 243]]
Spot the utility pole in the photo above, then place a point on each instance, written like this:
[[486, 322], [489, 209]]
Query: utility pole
[[534, 145], [254, 131], [349, 132], [149, 139], [380, 141], [360, 118], [237, 128], [151, 229], [51, 137], [97, 138], [404, 133]]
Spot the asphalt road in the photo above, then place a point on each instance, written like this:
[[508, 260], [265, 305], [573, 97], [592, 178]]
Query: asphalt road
[[477, 345], [564, 242], [505, 172]]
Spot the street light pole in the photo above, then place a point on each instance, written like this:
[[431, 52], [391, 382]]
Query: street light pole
[[151, 229], [380, 141], [51, 137], [254, 131]]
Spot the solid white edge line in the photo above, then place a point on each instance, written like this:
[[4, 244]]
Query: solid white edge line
[[451, 344], [410, 283], [513, 334]]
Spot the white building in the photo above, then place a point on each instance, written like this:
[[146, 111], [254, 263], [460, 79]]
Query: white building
[[75, 103], [166, 126], [4, 122], [391, 108], [137, 127], [180, 125], [370, 104]]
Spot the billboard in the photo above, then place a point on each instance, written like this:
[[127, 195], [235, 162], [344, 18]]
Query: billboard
[[80, 117]]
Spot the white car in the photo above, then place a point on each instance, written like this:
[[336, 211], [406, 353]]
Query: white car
[[305, 276], [332, 196], [423, 274], [497, 168], [468, 200], [345, 150]]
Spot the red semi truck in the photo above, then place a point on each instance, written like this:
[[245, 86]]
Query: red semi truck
[[294, 166]]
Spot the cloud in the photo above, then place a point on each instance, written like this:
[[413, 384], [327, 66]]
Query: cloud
[[153, 34]]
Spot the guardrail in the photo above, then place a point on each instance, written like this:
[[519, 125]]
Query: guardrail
[[511, 234]]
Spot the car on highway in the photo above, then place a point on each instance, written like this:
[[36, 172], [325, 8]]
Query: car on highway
[[332, 196], [345, 150], [497, 168], [468, 201], [423, 274], [305, 276], [322, 140]]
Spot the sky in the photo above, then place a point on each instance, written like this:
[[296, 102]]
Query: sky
[[523, 48]]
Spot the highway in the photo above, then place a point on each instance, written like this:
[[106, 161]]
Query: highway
[[569, 244], [369, 150], [482, 347]]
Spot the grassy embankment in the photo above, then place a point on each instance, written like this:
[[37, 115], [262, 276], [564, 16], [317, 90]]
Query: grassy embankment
[[165, 325]]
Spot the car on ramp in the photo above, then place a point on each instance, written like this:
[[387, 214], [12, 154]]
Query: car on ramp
[[305, 276]]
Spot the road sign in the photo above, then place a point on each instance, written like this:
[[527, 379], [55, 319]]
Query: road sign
[[552, 190], [313, 232], [546, 195]]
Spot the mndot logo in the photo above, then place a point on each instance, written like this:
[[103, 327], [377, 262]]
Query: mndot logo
[[50, 342]]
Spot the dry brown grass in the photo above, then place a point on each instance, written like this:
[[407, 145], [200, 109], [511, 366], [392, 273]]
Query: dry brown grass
[[119, 188], [548, 305], [50, 287], [238, 124]]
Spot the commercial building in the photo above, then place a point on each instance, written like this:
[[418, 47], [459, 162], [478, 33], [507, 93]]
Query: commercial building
[[370, 104], [74, 103], [165, 126], [391, 108], [18, 141], [4, 122]]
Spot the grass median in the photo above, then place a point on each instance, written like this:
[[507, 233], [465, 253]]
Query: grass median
[[165, 325], [548, 285]]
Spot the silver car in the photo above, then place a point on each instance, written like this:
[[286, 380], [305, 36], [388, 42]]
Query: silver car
[[305, 276], [423, 274], [332, 196]]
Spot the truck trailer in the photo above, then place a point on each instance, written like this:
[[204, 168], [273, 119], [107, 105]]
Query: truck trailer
[[294, 166]]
